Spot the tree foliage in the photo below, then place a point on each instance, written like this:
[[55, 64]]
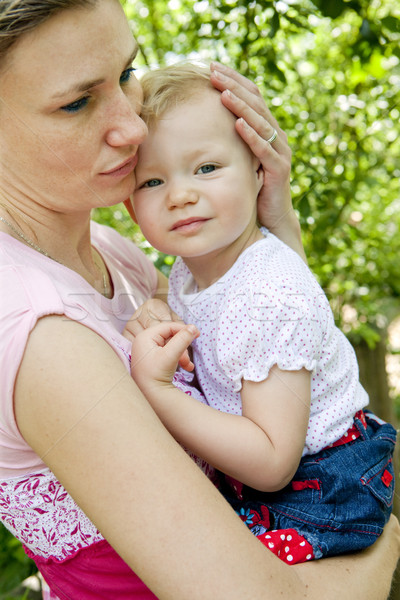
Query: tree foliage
[[15, 566]]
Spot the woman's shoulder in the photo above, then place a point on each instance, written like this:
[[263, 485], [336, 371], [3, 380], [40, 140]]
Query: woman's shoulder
[[111, 241], [121, 251], [26, 275]]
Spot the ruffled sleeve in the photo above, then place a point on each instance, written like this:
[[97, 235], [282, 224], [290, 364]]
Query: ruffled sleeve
[[278, 317]]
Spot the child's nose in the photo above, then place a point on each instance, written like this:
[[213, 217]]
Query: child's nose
[[178, 197]]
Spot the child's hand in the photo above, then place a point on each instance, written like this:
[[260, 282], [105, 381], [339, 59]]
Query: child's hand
[[151, 313], [157, 350]]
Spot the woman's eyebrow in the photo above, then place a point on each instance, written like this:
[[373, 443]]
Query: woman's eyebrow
[[77, 88], [84, 86]]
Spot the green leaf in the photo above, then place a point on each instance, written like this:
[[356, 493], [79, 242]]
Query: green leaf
[[391, 23], [275, 24], [15, 566], [331, 8]]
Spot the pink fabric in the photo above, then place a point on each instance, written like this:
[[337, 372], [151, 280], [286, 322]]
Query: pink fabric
[[38, 511], [94, 573], [34, 286], [47, 594]]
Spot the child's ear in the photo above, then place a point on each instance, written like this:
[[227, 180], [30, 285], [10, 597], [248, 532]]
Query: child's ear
[[129, 207]]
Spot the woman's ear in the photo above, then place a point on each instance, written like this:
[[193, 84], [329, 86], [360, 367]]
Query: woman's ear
[[129, 207]]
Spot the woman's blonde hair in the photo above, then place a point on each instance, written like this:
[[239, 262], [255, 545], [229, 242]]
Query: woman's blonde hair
[[170, 86], [18, 17]]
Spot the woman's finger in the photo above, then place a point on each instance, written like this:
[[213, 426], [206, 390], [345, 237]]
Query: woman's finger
[[238, 96], [257, 127], [274, 157], [269, 131], [218, 68], [152, 312], [243, 88]]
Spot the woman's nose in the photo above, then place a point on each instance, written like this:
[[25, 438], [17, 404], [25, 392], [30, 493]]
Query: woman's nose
[[125, 127]]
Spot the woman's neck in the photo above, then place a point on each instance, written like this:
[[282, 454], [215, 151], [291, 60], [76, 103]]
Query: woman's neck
[[64, 238]]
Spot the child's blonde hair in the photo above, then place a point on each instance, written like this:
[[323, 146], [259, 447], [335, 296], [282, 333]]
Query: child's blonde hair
[[170, 86]]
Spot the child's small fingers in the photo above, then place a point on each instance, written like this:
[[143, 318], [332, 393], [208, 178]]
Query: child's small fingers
[[178, 343], [185, 362], [164, 333]]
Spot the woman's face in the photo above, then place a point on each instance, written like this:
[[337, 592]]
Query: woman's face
[[69, 105]]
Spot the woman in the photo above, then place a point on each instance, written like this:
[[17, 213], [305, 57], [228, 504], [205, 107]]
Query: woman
[[91, 482]]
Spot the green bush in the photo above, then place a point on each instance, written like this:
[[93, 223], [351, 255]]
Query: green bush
[[15, 566]]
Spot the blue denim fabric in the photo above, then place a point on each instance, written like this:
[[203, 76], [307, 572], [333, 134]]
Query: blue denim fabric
[[355, 496]]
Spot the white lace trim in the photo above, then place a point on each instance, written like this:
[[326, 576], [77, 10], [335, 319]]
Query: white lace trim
[[42, 515]]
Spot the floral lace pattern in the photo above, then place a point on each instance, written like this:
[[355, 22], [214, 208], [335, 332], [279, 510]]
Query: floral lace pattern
[[42, 515]]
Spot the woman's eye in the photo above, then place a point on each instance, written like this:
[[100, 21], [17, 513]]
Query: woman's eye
[[151, 183], [82, 102], [76, 105], [126, 75], [206, 169]]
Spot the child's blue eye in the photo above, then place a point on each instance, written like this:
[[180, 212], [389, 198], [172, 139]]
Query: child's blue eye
[[75, 106], [152, 183], [206, 169], [126, 75]]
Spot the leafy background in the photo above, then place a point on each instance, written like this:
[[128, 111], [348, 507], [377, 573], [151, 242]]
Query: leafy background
[[329, 70]]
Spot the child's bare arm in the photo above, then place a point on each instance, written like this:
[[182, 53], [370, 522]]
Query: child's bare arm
[[279, 407], [262, 448]]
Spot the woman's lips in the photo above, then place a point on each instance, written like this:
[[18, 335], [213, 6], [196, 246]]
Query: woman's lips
[[123, 169]]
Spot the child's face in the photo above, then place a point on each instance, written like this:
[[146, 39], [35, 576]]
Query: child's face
[[197, 182]]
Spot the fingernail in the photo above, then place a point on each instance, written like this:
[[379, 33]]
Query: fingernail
[[230, 95], [220, 76], [217, 65], [214, 65]]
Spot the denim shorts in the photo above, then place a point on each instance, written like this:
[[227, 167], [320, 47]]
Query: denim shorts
[[340, 498]]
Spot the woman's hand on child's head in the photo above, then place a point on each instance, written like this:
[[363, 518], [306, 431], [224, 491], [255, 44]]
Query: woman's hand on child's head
[[256, 126], [157, 350]]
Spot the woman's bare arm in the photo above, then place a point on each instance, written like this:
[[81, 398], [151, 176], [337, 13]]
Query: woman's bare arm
[[79, 409], [338, 573]]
